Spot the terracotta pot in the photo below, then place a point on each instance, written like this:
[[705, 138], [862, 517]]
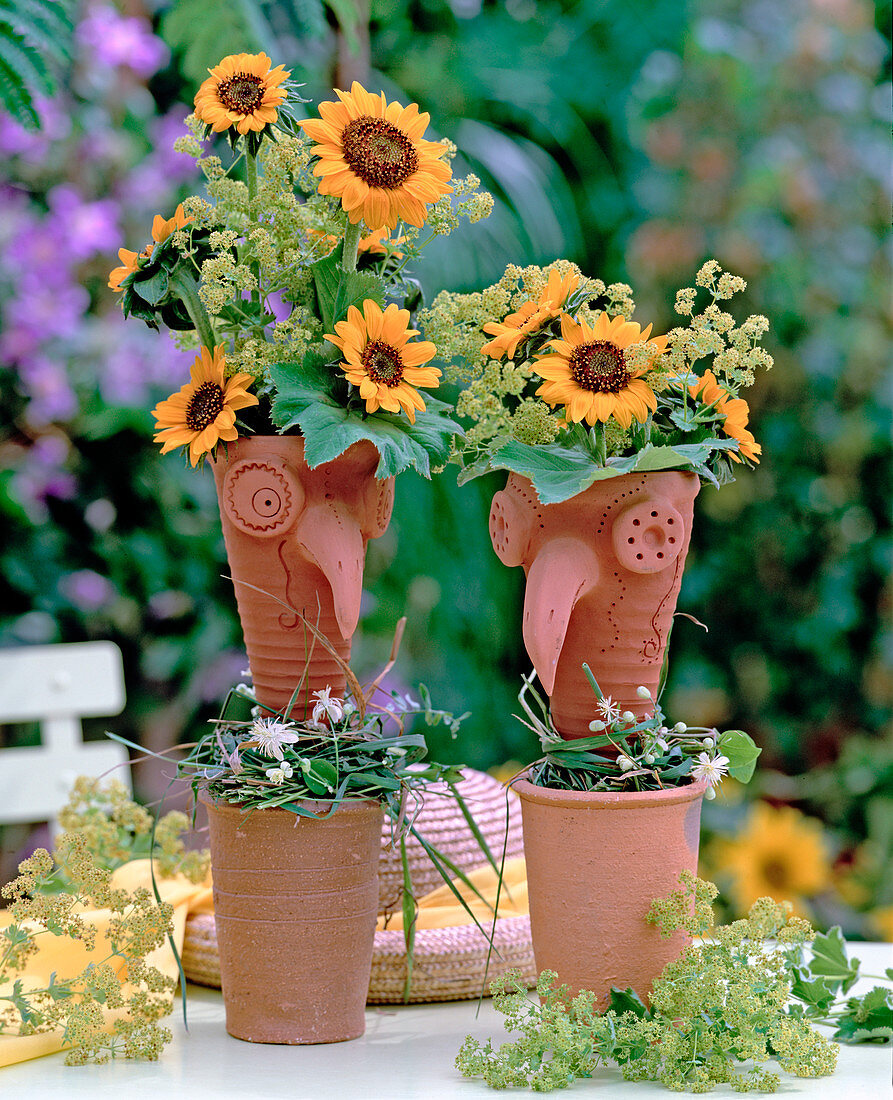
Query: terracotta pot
[[595, 862], [603, 574], [295, 902], [300, 536]]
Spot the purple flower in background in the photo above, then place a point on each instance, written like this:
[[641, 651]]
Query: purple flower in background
[[45, 383], [87, 590], [120, 40], [149, 183], [31, 253], [84, 228], [132, 361], [15, 140], [42, 475]]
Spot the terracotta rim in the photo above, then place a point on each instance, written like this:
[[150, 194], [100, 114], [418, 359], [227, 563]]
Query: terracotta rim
[[316, 807], [608, 800]]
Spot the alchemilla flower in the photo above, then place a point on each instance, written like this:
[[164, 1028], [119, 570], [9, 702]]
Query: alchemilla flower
[[380, 359], [270, 735], [204, 411], [590, 371], [373, 157], [243, 91]]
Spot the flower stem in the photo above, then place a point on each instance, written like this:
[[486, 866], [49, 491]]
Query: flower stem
[[251, 178], [186, 290], [351, 242]]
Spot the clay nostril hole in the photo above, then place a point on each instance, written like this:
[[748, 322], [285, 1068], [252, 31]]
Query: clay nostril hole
[[670, 521], [636, 522], [654, 515], [660, 555], [631, 541], [671, 540], [638, 557]]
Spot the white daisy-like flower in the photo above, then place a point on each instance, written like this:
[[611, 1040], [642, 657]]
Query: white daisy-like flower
[[626, 762], [710, 768], [271, 734], [608, 709], [327, 707]]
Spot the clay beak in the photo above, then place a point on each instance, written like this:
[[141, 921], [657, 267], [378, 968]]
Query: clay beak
[[330, 536], [562, 572]]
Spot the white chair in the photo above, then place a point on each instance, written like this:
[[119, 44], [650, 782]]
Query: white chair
[[57, 686]]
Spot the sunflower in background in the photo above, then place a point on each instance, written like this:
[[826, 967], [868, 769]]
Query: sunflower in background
[[780, 853], [243, 91], [736, 413], [531, 317]]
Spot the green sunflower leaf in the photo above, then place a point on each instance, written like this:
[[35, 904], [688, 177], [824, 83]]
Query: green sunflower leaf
[[337, 290], [154, 288], [304, 401]]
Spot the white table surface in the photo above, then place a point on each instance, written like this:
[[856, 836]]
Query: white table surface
[[407, 1053]]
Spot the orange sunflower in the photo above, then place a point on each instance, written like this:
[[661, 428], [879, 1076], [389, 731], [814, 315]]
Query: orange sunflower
[[161, 230], [204, 411], [381, 361], [242, 91], [530, 317], [373, 157], [590, 374], [734, 409]]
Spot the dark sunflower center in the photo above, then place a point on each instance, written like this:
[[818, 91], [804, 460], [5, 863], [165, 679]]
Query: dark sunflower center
[[776, 874], [383, 363], [599, 367], [243, 93], [206, 403], [379, 153]]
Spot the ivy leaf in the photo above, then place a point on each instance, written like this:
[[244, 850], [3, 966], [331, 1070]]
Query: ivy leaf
[[153, 289], [742, 754], [319, 775], [829, 960], [627, 1000]]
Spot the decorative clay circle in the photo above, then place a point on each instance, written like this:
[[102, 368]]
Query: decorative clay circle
[[648, 536], [262, 498]]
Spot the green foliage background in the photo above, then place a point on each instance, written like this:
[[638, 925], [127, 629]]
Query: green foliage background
[[637, 138]]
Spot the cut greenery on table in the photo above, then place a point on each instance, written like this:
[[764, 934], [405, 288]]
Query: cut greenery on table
[[745, 995]]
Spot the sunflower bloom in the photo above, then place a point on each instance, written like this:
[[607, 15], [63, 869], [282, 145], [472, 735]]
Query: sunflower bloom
[[373, 157], [734, 409], [381, 360], [242, 91], [589, 371], [530, 317], [379, 244], [204, 411], [780, 854], [161, 230]]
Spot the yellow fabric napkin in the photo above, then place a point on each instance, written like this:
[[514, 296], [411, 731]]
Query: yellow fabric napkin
[[66, 956], [440, 909]]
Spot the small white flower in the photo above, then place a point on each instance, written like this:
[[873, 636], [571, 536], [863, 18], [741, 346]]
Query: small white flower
[[276, 776], [662, 743], [680, 727], [650, 757], [711, 769], [643, 692], [596, 726], [663, 731], [271, 734], [628, 716], [710, 794], [608, 709], [626, 763], [326, 706]]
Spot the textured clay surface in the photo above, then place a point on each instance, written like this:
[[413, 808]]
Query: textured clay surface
[[295, 902], [298, 535], [595, 862], [603, 574]]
